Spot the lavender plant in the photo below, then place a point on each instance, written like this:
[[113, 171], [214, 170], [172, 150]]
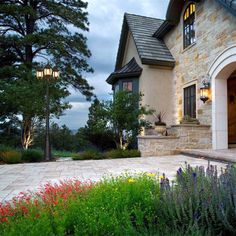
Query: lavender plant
[[201, 200]]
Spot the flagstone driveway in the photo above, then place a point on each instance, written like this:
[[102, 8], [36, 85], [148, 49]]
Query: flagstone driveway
[[22, 177]]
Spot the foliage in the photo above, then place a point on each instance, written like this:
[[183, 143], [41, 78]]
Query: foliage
[[63, 153], [120, 206], [200, 202], [118, 121], [126, 117], [97, 130], [88, 155], [11, 157], [159, 118], [29, 31], [31, 155], [4, 148], [119, 153], [62, 139]]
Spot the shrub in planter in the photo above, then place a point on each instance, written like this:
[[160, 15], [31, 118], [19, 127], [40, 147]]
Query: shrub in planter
[[88, 155], [32, 155], [11, 157]]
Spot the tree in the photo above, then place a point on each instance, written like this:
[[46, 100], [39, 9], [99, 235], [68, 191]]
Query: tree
[[97, 131], [30, 29], [120, 120], [126, 117]]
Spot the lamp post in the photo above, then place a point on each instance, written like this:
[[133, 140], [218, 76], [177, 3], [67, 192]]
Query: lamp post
[[46, 73]]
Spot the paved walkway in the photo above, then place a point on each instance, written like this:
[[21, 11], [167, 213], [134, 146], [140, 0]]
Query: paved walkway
[[22, 177], [227, 155]]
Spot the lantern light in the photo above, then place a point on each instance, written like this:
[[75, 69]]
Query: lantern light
[[204, 90], [55, 73], [47, 71], [39, 73]]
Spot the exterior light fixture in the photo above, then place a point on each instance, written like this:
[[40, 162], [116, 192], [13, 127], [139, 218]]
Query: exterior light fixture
[[47, 73], [39, 73], [55, 73], [205, 90]]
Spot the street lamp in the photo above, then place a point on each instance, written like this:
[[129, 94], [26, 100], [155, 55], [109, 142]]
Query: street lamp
[[46, 73]]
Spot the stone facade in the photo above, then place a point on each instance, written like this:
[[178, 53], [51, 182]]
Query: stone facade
[[181, 137], [215, 31]]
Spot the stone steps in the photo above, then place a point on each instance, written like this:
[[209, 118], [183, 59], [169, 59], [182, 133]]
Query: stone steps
[[228, 156]]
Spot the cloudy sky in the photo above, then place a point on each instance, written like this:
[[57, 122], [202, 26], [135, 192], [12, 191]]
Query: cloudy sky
[[106, 17]]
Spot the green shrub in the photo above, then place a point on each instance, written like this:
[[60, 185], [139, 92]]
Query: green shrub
[[118, 153], [32, 155], [88, 155], [4, 148], [11, 157]]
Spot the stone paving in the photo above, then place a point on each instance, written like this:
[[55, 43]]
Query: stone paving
[[22, 177]]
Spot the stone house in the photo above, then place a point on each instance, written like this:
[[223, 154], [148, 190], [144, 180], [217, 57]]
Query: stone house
[[185, 66]]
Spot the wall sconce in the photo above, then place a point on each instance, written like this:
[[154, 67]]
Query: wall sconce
[[205, 90]]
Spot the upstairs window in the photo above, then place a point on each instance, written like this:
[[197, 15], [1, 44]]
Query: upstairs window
[[190, 101], [128, 86], [189, 25]]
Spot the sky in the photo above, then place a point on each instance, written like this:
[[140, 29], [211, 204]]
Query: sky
[[105, 17]]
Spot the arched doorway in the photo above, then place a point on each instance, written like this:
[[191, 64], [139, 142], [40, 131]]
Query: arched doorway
[[231, 86], [220, 71]]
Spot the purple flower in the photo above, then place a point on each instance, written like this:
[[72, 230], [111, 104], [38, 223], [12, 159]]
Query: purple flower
[[194, 175]]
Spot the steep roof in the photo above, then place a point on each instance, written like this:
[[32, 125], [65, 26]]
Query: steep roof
[[131, 69], [152, 51], [174, 10]]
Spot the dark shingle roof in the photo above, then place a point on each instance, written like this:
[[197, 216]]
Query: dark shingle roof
[[131, 69], [150, 49]]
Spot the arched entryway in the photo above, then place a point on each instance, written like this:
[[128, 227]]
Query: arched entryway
[[220, 73], [231, 84]]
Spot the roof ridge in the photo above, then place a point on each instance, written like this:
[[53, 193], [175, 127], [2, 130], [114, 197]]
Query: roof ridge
[[126, 13]]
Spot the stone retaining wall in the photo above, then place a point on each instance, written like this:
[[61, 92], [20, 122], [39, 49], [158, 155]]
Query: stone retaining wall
[[180, 137]]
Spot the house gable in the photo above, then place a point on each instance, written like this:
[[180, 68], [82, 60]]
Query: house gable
[[151, 50]]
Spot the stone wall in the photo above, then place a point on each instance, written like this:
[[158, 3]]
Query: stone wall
[[181, 137], [215, 31]]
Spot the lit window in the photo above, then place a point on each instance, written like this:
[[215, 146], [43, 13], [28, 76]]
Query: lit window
[[189, 25], [128, 86], [190, 101]]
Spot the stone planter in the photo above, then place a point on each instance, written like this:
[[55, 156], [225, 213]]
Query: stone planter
[[160, 129]]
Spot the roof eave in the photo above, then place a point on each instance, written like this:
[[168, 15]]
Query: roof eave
[[114, 77], [164, 29], [147, 61], [122, 44]]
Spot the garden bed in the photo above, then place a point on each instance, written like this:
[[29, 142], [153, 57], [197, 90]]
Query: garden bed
[[199, 202]]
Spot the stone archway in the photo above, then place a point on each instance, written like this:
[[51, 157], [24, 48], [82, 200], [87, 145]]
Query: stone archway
[[219, 72]]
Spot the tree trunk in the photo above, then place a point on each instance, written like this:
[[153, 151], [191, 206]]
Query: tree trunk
[[26, 134]]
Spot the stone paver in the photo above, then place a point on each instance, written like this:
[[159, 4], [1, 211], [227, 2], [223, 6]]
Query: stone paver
[[23, 177]]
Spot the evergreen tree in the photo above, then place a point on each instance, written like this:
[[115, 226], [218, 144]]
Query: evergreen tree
[[31, 29]]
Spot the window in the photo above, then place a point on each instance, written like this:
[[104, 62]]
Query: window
[[116, 88], [189, 25], [190, 101], [128, 86]]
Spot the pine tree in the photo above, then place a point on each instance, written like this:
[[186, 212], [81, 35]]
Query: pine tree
[[34, 29]]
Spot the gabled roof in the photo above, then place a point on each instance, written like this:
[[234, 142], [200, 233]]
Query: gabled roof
[[152, 51], [174, 10], [131, 69]]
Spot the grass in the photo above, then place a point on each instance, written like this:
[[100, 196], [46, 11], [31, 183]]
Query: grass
[[63, 153]]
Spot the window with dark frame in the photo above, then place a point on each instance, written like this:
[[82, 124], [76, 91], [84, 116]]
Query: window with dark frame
[[128, 86], [189, 25], [190, 101]]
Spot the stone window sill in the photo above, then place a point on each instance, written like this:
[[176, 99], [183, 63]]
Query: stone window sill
[[190, 46]]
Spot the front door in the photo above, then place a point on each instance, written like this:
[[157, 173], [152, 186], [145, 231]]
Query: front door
[[232, 109]]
